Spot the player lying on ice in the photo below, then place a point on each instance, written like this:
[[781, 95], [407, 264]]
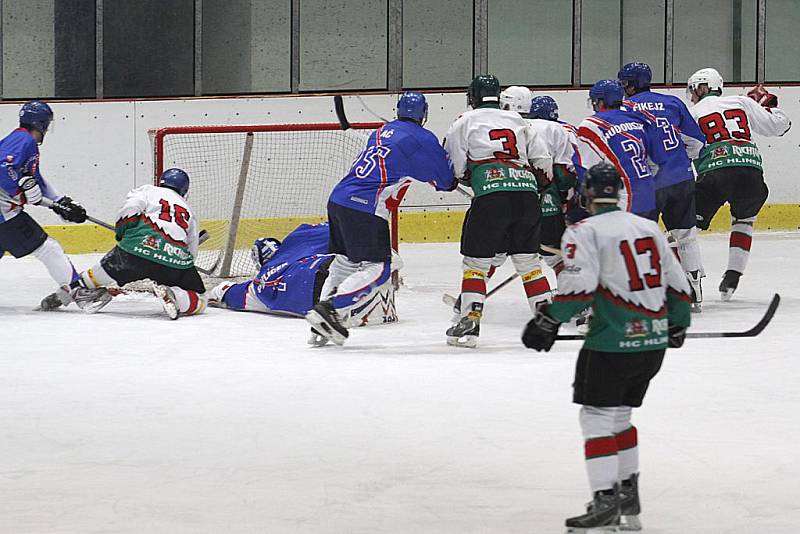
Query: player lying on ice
[[290, 280], [157, 238]]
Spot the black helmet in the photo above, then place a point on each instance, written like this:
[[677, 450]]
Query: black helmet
[[602, 184], [484, 88]]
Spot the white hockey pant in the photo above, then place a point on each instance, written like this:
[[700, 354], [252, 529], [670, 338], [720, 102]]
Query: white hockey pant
[[688, 249], [57, 263], [610, 445]]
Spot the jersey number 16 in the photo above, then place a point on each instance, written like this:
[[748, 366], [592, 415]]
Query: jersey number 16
[[181, 215]]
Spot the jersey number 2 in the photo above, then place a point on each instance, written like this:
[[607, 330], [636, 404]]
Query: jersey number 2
[[644, 245], [181, 215]]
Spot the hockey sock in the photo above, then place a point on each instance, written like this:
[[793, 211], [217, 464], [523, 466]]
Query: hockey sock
[[189, 302], [361, 283], [497, 262], [339, 269], [96, 276], [688, 250], [740, 242], [58, 265], [600, 446], [554, 262], [628, 452], [529, 268], [473, 286]]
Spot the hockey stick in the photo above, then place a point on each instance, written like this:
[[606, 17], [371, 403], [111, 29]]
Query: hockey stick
[[753, 332], [204, 235]]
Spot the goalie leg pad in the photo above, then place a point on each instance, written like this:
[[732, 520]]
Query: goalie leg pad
[[360, 284], [58, 265], [340, 268]]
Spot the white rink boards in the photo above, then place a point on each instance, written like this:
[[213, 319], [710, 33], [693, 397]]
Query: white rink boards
[[126, 422]]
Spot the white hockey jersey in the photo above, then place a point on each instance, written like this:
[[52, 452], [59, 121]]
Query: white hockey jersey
[[621, 265], [492, 147], [728, 123], [157, 224]]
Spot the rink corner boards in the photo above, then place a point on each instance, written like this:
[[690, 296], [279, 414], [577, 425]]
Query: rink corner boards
[[414, 227]]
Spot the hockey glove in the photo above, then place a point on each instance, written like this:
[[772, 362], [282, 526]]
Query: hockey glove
[[760, 94], [29, 186], [69, 210], [677, 335], [541, 331]]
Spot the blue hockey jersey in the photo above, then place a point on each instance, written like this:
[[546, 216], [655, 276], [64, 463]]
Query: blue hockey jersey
[[396, 152], [19, 157], [683, 138], [286, 282], [633, 144]]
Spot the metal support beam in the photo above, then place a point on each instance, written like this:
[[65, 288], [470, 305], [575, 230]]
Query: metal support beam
[[577, 8], [394, 68], [295, 49], [669, 40], [198, 47], [98, 49], [761, 41], [480, 37]]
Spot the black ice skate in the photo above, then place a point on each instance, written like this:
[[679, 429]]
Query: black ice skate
[[629, 506], [696, 286], [729, 284], [61, 297], [464, 333], [325, 321], [602, 514]]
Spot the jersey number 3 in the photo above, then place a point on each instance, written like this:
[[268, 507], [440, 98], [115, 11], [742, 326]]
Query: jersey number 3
[[509, 143], [644, 245], [181, 215]]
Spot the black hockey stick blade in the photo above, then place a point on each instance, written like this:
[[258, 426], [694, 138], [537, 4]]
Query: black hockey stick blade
[[338, 105], [753, 332]]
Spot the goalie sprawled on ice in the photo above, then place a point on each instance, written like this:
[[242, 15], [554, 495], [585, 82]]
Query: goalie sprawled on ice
[[290, 279]]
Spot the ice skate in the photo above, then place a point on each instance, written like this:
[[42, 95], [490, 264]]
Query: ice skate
[[695, 282], [602, 514], [316, 339], [324, 320], [729, 284], [167, 298], [61, 297], [91, 300], [464, 333], [629, 506]]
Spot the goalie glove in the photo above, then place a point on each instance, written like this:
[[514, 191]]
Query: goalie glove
[[69, 210], [760, 94], [30, 187]]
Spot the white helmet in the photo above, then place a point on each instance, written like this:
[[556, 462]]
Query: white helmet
[[516, 98], [707, 76]]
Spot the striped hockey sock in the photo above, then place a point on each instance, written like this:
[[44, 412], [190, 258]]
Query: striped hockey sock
[[741, 240], [628, 452]]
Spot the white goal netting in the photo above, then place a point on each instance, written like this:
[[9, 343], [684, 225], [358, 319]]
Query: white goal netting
[[255, 181]]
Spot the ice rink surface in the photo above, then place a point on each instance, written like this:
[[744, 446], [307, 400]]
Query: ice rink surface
[[126, 422]]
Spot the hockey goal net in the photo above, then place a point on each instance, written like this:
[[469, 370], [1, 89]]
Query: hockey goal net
[[256, 181]]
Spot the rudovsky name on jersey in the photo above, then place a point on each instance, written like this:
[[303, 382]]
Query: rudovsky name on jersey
[[490, 177]]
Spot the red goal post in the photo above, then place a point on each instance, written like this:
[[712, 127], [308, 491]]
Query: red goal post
[[250, 181]]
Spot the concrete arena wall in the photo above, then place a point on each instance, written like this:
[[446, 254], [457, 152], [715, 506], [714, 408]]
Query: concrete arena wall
[[99, 150]]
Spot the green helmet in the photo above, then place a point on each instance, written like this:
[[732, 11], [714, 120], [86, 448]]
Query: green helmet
[[484, 88]]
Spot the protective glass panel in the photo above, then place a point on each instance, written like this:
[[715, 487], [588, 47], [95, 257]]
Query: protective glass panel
[[256, 57], [437, 54], [530, 42], [342, 45], [601, 31], [783, 41], [643, 34], [148, 48], [715, 33]]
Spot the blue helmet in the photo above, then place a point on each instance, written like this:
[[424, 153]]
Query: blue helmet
[[602, 184], [36, 115], [609, 91], [543, 107], [636, 75], [175, 179], [412, 105], [263, 249]]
